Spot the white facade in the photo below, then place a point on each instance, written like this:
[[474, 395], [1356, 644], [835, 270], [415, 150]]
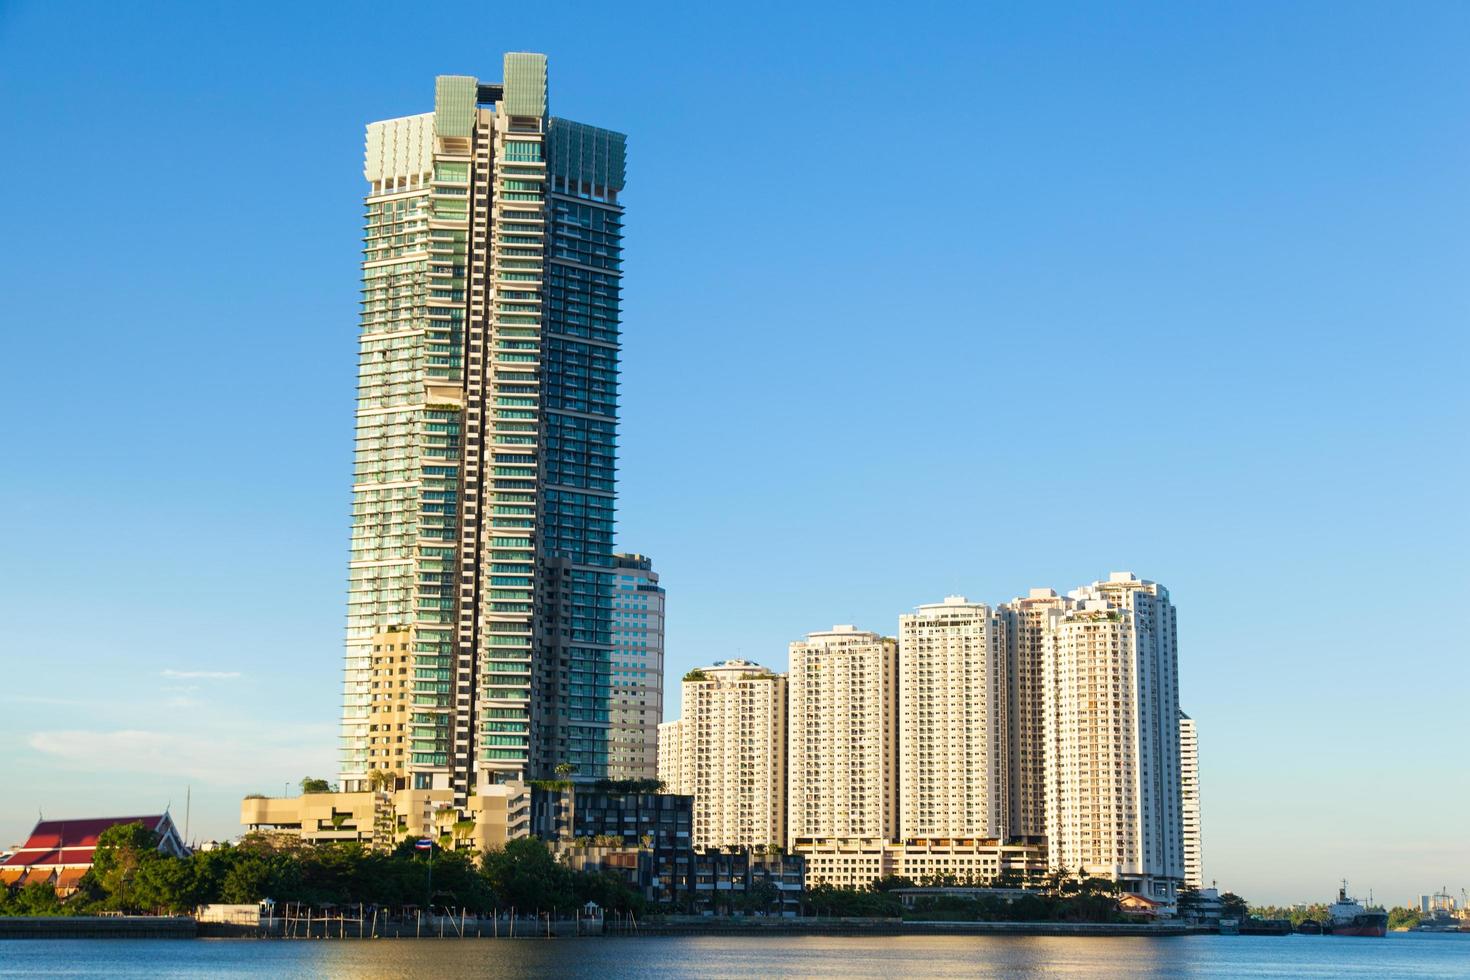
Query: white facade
[[1028, 621], [728, 751], [1194, 863], [856, 863], [842, 735], [637, 701], [953, 756], [1111, 696]]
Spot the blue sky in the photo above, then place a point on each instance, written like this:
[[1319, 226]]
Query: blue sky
[[920, 299]]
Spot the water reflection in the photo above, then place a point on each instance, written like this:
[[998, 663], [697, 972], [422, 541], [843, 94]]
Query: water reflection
[[846, 957]]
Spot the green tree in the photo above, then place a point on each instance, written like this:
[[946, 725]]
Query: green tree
[[525, 875], [889, 882], [1403, 918], [1232, 906], [121, 852], [1188, 903], [826, 900], [37, 898], [608, 890], [760, 896], [168, 884], [310, 784]]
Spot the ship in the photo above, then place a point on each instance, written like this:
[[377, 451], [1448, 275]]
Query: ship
[[1348, 917], [1440, 916]]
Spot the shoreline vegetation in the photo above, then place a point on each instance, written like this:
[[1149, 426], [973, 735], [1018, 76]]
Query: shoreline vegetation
[[346, 890]]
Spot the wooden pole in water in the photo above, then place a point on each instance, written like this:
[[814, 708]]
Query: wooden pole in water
[[418, 928]]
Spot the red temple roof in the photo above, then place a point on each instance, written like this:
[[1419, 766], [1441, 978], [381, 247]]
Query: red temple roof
[[70, 843]]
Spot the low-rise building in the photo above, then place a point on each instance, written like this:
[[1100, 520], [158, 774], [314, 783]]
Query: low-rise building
[[857, 862], [60, 852], [909, 897], [597, 828], [741, 879], [383, 819]]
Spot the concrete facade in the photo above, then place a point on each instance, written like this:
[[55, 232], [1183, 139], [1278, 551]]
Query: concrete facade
[[856, 863], [728, 751], [953, 731], [1113, 803], [1194, 858], [842, 735], [1028, 620], [382, 819]]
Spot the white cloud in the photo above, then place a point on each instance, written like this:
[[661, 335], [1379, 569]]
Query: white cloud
[[249, 760], [213, 675]]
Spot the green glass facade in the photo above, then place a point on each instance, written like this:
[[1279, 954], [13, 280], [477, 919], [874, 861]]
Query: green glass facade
[[480, 588]]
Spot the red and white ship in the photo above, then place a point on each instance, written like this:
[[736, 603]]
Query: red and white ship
[[1348, 917]]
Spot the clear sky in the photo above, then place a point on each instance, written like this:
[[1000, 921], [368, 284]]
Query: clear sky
[[920, 299]]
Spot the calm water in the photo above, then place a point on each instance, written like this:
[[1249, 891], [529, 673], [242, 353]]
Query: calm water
[[1401, 955]]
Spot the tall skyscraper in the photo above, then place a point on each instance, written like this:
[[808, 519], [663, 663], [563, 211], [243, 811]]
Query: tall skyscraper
[[479, 633], [637, 669], [728, 751], [1111, 693], [952, 689], [1027, 622], [842, 736], [1194, 858]]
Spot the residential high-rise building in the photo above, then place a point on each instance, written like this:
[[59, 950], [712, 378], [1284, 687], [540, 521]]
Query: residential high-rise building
[[674, 769], [479, 633], [952, 690], [1111, 694], [637, 669], [728, 751], [1027, 622], [1194, 860], [842, 736]]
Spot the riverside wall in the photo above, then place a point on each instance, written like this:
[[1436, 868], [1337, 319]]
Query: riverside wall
[[97, 927]]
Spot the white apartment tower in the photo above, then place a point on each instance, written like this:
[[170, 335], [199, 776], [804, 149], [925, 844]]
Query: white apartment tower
[[1028, 621], [953, 754], [1111, 701], [842, 736], [728, 751], [1194, 864]]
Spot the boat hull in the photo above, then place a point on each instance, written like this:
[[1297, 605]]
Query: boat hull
[[1362, 925]]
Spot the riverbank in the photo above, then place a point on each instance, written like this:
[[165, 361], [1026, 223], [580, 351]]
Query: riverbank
[[98, 927], [752, 926], [461, 928]]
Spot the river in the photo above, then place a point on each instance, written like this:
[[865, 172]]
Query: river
[[1399, 955]]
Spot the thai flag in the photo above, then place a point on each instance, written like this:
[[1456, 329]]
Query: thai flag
[[423, 845]]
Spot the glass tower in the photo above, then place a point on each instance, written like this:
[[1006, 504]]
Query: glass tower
[[638, 669], [479, 634]]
